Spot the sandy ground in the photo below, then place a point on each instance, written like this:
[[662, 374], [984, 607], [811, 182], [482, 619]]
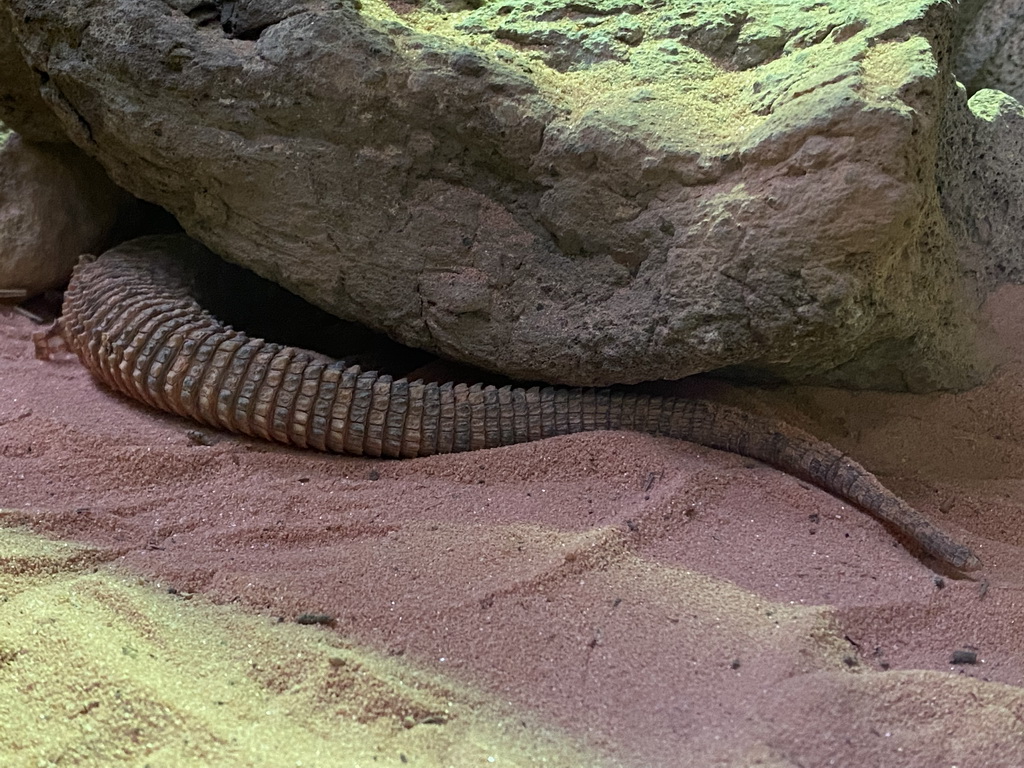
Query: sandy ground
[[601, 599]]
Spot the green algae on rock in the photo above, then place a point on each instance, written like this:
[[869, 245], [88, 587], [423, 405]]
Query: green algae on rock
[[581, 193]]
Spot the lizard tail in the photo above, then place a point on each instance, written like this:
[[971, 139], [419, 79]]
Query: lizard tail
[[135, 323]]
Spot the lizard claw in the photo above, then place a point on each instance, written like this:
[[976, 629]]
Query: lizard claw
[[49, 341]]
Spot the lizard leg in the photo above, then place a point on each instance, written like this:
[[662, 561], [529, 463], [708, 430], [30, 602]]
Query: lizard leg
[[50, 341]]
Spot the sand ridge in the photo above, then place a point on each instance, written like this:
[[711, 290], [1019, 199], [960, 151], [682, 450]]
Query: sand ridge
[[650, 602]]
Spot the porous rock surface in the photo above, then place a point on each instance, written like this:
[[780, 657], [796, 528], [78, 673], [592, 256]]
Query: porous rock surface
[[21, 102], [55, 204], [992, 52], [577, 192], [982, 184]]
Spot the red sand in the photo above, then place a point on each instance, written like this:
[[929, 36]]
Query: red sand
[[669, 604]]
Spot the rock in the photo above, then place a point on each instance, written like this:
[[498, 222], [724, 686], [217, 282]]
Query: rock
[[21, 103], [982, 184], [55, 204], [582, 193], [991, 54], [246, 19]]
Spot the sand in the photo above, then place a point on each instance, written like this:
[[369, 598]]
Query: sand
[[102, 669], [602, 599]]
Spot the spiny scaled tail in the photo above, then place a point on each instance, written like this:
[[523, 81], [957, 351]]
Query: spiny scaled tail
[[802, 455], [421, 419], [460, 417], [136, 324]]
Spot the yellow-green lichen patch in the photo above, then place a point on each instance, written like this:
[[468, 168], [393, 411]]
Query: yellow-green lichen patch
[[101, 669]]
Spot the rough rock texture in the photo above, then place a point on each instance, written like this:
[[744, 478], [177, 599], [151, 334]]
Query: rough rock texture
[[55, 204], [982, 184], [21, 100], [991, 54], [981, 158], [579, 193]]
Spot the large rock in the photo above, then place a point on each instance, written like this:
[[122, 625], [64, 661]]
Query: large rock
[[56, 203], [21, 103], [577, 192], [992, 53], [982, 185]]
